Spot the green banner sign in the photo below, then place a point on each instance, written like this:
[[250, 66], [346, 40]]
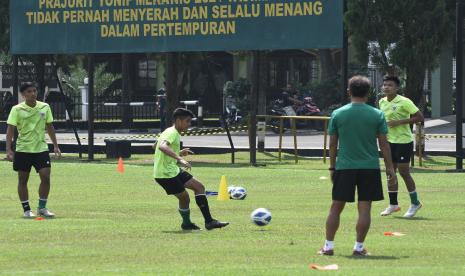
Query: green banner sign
[[130, 26]]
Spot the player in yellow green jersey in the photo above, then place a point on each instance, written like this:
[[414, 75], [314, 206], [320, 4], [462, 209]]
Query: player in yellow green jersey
[[168, 155], [31, 118], [400, 113]]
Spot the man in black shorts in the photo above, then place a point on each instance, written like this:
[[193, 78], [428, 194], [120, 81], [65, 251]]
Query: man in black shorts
[[356, 127], [174, 180], [31, 118]]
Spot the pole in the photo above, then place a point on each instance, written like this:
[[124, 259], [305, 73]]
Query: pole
[[15, 89], [90, 110], [459, 87], [253, 109], [67, 107], [345, 57]]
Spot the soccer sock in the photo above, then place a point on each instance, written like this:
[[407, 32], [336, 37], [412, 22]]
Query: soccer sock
[[26, 206], [414, 198], [202, 202], [186, 216], [393, 198], [42, 203], [329, 245], [358, 246]]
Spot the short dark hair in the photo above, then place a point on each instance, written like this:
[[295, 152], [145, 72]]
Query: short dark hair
[[359, 86], [182, 113], [25, 86], [392, 78]]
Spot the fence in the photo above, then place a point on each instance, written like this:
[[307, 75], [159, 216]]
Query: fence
[[102, 112]]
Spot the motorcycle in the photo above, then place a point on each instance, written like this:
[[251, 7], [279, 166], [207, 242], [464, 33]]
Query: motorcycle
[[232, 114]]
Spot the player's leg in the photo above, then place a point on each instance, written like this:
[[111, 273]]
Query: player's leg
[[343, 191], [175, 186], [23, 194], [42, 164], [44, 190], [184, 211], [202, 202], [363, 225], [369, 189], [393, 189], [404, 171], [22, 164]]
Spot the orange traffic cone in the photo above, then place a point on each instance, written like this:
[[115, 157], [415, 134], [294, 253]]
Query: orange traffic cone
[[120, 165]]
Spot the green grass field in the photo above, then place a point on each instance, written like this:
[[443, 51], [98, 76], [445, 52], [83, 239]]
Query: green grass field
[[109, 223]]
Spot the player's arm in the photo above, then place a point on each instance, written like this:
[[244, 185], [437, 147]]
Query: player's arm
[[10, 132], [333, 143], [164, 147], [52, 134], [386, 152]]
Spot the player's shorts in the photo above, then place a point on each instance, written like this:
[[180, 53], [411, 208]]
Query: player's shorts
[[23, 161], [367, 182], [401, 153], [176, 184]]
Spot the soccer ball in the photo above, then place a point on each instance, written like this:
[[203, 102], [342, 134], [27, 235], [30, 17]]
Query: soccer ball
[[238, 193], [230, 189], [261, 216]]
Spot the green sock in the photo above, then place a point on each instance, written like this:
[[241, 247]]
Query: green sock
[[42, 203], [414, 198], [186, 216]]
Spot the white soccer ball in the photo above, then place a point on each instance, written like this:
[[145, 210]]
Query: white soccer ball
[[238, 193], [230, 189], [261, 216]]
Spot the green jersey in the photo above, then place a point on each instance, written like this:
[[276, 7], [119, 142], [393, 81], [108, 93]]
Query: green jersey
[[400, 108], [357, 126], [31, 123], [165, 166]]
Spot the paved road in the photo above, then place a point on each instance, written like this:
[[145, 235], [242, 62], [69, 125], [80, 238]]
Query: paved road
[[304, 141]]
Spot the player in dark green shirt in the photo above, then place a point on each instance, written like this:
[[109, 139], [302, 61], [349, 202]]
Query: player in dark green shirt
[[356, 128]]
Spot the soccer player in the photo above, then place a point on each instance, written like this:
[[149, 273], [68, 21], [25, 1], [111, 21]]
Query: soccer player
[[356, 127], [400, 112], [175, 180], [31, 118]]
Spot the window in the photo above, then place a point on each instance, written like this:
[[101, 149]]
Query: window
[[147, 73]]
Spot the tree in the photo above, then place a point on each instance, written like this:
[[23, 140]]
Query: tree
[[407, 34]]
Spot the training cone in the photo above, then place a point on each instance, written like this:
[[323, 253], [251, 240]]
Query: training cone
[[120, 165], [223, 190]]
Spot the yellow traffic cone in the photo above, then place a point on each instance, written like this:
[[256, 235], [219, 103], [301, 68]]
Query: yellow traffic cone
[[223, 190]]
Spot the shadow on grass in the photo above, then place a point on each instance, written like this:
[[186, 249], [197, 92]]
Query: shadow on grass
[[181, 232], [414, 218], [374, 258]]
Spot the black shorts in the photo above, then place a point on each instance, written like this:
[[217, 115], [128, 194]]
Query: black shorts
[[23, 161], [176, 184], [401, 153], [367, 181]]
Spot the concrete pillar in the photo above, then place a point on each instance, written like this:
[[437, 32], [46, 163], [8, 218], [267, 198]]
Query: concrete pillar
[[441, 85]]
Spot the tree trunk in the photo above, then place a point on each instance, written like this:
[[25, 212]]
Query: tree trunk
[[40, 75], [414, 85], [172, 96], [126, 91], [328, 68]]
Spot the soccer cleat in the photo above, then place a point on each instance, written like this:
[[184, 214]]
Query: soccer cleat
[[389, 210], [215, 224], [412, 210], [29, 215], [324, 252], [44, 212], [190, 227], [363, 253]]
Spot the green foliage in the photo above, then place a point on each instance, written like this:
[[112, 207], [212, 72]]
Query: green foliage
[[4, 26], [240, 91], [325, 93], [77, 74], [406, 34]]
